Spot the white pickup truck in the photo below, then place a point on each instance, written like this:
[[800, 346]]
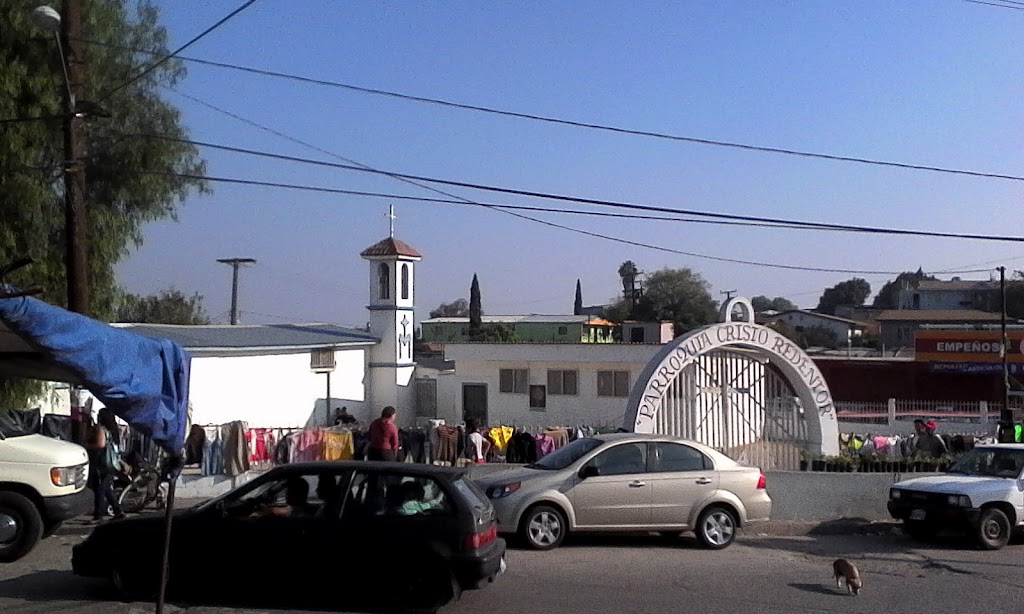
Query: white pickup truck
[[982, 493], [42, 483]]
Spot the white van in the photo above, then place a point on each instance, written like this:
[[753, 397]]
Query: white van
[[42, 483]]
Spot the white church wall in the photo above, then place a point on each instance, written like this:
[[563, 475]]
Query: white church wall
[[273, 390]]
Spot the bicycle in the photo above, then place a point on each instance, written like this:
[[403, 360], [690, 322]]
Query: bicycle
[[146, 487]]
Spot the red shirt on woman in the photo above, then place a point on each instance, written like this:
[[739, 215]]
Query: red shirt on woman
[[383, 434]]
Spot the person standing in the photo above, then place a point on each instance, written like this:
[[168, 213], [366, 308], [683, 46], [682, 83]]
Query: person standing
[[383, 434], [103, 464], [929, 442]]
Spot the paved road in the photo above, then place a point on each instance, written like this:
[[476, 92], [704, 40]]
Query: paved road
[[619, 574]]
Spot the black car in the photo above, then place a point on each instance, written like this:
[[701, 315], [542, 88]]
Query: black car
[[365, 533]]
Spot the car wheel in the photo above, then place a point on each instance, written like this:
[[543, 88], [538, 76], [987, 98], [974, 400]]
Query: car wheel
[[543, 527], [716, 527], [918, 529], [21, 526], [134, 583], [993, 529]]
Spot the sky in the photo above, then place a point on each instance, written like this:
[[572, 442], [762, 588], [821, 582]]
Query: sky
[[924, 82]]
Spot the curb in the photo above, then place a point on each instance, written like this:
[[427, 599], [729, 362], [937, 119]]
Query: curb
[[814, 528]]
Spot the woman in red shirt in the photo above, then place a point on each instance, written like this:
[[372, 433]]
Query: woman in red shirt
[[383, 444]]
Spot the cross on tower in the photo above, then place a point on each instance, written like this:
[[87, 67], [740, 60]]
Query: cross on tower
[[405, 338], [391, 220]]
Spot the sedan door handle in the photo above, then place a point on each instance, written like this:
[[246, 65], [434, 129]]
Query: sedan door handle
[[704, 480], [637, 484]]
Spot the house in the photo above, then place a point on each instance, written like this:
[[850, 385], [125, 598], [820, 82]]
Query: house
[[295, 375], [526, 328], [960, 294], [648, 332], [898, 326], [802, 320]]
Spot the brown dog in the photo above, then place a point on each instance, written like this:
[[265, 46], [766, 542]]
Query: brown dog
[[845, 570]]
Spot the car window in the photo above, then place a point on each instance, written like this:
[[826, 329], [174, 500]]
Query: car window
[[381, 494], [312, 494], [567, 455], [622, 459], [678, 457], [471, 494]]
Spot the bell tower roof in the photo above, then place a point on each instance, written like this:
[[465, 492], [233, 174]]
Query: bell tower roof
[[390, 247]]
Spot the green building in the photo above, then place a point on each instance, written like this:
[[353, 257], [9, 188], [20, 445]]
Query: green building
[[530, 328]]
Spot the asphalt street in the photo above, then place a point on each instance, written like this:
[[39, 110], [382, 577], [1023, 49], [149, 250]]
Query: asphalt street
[[642, 574]]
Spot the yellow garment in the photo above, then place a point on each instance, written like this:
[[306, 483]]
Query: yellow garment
[[338, 445], [500, 435]]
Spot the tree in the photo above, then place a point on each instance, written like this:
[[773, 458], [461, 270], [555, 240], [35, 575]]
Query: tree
[[850, 293], [577, 307], [168, 307], [679, 295], [888, 296], [476, 311], [458, 308], [499, 333], [763, 303], [120, 200]]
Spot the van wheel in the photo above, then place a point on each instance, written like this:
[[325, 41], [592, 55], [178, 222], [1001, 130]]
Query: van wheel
[[543, 527], [993, 530], [21, 526]]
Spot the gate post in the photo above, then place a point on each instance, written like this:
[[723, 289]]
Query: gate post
[[983, 412], [892, 413]]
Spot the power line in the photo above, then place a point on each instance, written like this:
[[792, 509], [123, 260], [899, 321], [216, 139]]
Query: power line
[[1017, 6], [594, 201], [194, 40], [578, 123], [554, 225]]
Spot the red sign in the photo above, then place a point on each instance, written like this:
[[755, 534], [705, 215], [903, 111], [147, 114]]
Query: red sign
[[967, 346]]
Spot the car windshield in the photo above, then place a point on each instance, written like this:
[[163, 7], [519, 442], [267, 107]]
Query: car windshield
[[995, 462], [566, 455]]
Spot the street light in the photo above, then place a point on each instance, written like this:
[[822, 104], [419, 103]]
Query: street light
[[68, 28], [46, 18]]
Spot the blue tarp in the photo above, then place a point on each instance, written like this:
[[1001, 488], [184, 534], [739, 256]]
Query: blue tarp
[[143, 380]]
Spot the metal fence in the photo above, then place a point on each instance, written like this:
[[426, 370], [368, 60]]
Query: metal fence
[[906, 410]]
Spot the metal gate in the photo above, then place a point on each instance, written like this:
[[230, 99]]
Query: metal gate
[[737, 402]]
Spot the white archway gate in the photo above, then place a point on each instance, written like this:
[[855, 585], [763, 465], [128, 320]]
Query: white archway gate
[[739, 387]]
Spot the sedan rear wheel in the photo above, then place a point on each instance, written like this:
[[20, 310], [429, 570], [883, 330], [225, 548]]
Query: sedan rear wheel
[[716, 528], [543, 527]]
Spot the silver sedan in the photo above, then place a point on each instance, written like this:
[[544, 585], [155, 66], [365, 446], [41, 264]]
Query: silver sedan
[[628, 482]]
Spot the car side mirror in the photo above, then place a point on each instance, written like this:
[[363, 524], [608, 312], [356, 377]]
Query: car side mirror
[[589, 471]]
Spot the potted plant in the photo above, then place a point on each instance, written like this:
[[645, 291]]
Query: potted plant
[[817, 462], [805, 458]]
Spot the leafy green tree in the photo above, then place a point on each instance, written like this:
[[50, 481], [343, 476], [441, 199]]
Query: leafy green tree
[[168, 307], [499, 333], [476, 311], [459, 308], [679, 295], [851, 293], [119, 199], [763, 303]]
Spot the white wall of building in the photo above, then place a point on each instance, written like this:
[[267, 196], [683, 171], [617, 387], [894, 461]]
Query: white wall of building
[[481, 364], [274, 390], [803, 320]]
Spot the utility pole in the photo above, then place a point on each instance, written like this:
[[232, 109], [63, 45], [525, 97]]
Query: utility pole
[[75, 224], [1006, 416], [235, 264]]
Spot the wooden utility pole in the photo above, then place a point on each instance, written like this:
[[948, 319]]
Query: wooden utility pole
[[1006, 434], [235, 264], [75, 221]]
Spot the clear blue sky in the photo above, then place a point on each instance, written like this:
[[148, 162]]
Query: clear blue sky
[[933, 82]]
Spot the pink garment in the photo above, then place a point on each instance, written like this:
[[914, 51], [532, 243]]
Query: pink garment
[[306, 445], [545, 445], [881, 442]]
